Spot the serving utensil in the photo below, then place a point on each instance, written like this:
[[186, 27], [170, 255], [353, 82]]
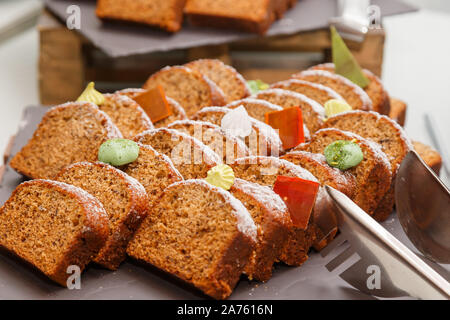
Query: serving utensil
[[382, 266], [423, 208], [436, 136]]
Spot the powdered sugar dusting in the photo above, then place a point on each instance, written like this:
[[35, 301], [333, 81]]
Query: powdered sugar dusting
[[214, 109], [265, 195], [276, 163], [131, 92], [315, 106], [256, 102], [366, 103], [192, 123], [286, 84]]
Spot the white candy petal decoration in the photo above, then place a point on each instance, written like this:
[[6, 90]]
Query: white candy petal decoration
[[237, 122]]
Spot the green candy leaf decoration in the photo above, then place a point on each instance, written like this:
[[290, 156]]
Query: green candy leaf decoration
[[118, 152], [257, 86], [344, 62], [343, 154]]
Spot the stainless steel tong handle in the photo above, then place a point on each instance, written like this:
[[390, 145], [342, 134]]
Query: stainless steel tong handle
[[402, 270]]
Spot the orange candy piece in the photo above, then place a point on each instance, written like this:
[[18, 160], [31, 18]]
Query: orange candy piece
[[289, 123], [154, 103], [299, 195]]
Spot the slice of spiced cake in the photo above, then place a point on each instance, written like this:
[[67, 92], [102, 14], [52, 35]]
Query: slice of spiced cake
[[53, 226], [124, 199], [273, 223], [199, 233], [264, 171]]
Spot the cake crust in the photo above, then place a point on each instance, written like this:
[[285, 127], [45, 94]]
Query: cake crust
[[108, 185]]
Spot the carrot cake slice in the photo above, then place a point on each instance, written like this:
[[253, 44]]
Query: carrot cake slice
[[198, 233], [263, 139], [126, 114], [353, 94], [314, 91], [375, 90], [69, 133], [312, 112], [190, 156], [273, 223], [164, 14], [264, 171], [178, 112], [226, 146], [226, 77], [384, 131], [373, 175], [53, 226], [188, 87], [124, 199]]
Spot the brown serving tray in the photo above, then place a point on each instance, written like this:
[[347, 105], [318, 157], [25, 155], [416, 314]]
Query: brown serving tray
[[137, 281]]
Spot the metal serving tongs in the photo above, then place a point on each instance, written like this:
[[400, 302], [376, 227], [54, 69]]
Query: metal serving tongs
[[400, 272]]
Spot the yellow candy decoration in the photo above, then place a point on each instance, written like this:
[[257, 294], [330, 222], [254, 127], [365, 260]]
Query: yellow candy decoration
[[91, 95], [335, 106], [221, 176]]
